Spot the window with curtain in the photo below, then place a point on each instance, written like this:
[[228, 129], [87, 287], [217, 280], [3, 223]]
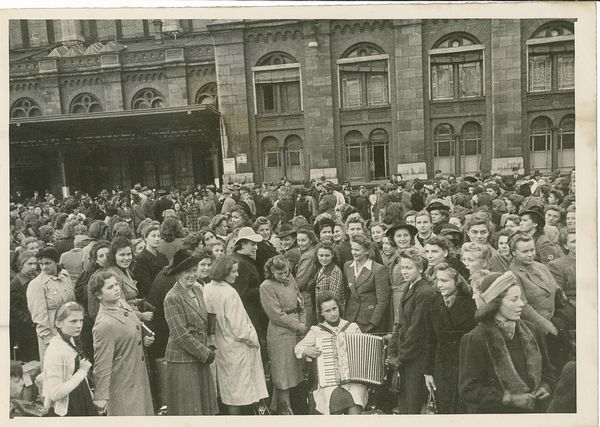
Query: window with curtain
[[551, 58], [277, 83], [456, 68], [364, 77], [443, 141]]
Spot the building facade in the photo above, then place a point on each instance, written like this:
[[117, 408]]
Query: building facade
[[182, 102]]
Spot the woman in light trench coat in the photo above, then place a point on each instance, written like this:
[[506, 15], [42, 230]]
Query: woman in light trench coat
[[240, 374]]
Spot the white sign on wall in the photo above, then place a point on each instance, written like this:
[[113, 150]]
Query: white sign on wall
[[241, 158], [229, 165]]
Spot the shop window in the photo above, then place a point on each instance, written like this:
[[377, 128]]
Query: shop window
[[85, 103], [551, 58], [25, 107], [456, 68], [147, 98], [567, 133], [277, 84], [364, 80]]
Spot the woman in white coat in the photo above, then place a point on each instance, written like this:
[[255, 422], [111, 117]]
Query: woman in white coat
[[240, 375]]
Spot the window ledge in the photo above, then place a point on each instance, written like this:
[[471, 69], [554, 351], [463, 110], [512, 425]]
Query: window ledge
[[366, 107], [455, 100], [279, 114], [551, 92]]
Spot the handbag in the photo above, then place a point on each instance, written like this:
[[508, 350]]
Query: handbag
[[430, 408]]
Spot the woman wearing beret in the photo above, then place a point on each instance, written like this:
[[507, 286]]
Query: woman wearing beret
[[504, 365], [46, 293], [190, 388]]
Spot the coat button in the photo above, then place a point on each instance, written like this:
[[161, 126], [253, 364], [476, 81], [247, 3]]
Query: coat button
[[140, 342], [137, 327], [126, 314]]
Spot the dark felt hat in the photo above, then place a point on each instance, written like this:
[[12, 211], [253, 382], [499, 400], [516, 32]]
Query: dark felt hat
[[536, 211], [183, 261], [410, 228], [286, 230], [437, 205]]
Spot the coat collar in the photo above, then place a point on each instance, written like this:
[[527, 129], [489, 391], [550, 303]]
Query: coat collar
[[533, 272], [120, 313], [200, 308]]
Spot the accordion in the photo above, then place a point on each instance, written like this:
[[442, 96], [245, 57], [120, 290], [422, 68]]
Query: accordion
[[350, 358]]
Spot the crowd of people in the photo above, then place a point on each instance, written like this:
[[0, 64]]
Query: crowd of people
[[204, 301]]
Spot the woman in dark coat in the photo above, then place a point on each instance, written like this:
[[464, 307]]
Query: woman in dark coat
[[408, 344], [504, 365], [190, 386], [265, 249], [150, 261], [450, 315], [369, 287], [22, 328]]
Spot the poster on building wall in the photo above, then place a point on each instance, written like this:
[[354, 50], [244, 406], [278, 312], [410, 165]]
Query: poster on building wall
[[241, 158], [229, 165]]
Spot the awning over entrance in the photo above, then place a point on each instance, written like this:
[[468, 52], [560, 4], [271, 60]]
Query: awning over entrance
[[128, 127], [178, 146]]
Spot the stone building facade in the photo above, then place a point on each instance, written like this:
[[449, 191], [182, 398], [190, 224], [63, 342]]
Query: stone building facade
[[182, 102]]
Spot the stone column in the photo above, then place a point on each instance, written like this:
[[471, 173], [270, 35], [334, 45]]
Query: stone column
[[505, 64], [176, 78]]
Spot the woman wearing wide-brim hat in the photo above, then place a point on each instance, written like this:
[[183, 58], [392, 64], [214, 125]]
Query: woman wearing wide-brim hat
[[504, 364], [532, 223], [190, 387], [401, 236]]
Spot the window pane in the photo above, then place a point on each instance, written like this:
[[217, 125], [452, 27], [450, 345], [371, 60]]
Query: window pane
[[470, 147], [294, 158], [267, 98], [272, 159], [567, 141], [351, 88], [538, 142], [165, 173], [540, 72], [354, 154], [566, 71], [442, 82], [470, 79], [149, 173], [377, 89], [443, 148], [290, 94]]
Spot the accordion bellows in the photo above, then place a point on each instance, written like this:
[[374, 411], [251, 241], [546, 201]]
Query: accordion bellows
[[350, 358]]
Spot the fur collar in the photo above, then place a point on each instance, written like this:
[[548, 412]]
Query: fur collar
[[502, 364]]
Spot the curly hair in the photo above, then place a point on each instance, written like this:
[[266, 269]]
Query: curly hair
[[171, 229], [330, 247], [117, 243], [278, 262], [97, 281], [414, 255], [365, 244], [222, 267], [92, 263], [462, 286], [393, 213]]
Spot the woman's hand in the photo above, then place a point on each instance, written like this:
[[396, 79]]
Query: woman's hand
[[524, 401], [302, 329], [85, 365], [429, 383], [148, 340], [146, 316], [541, 394], [100, 405], [311, 351], [553, 330]]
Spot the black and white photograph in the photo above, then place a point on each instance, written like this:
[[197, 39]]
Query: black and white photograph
[[302, 210]]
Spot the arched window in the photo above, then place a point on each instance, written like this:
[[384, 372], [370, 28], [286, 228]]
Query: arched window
[[456, 67], [354, 143], [25, 107], [147, 98], [443, 140], [85, 103], [277, 84], [567, 133], [363, 72], [207, 95], [541, 134], [551, 57], [470, 139]]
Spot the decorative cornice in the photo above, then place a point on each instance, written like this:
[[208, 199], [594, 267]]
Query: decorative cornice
[[80, 81], [274, 36], [143, 57], [201, 71], [144, 77], [78, 62], [353, 27], [24, 86], [206, 52]]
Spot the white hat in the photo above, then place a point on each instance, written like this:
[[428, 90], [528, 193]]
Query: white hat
[[247, 233]]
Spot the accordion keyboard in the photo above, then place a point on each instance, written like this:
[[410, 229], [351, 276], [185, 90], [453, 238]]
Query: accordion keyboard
[[327, 363]]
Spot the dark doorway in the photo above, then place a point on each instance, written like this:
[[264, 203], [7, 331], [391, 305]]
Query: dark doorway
[[379, 161]]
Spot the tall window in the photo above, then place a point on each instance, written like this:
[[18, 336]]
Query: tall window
[[85, 103], [25, 107], [567, 133], [456, 68], [443, 141], [277, 84], [541, 134], [551, 58], [364, 80], [147, 98], [470, 139]]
